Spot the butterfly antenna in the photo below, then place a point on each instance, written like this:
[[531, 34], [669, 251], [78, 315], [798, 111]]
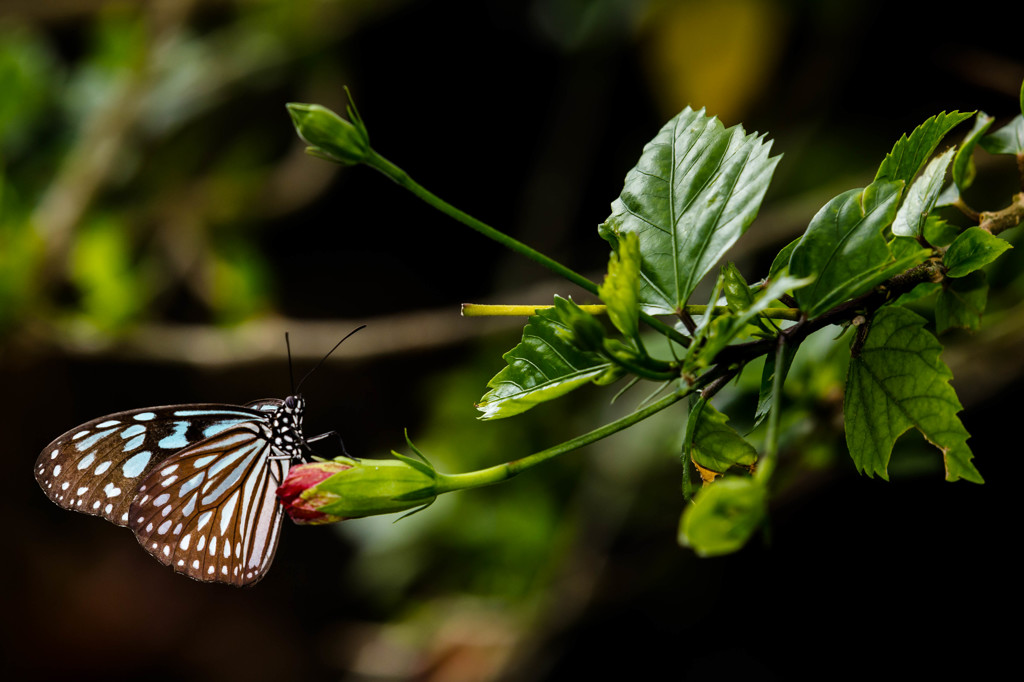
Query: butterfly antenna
[[291, 371], [324, 358]]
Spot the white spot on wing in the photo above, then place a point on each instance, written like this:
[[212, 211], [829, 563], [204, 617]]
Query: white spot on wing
[[226, 511]]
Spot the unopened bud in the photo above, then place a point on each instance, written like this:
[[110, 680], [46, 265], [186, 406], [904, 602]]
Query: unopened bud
[[330, 136], [344, 488]]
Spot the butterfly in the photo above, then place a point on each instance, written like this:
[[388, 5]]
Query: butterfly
[[197, 483]]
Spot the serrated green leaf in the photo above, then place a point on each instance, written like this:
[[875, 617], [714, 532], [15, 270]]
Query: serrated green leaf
[[723, 516], [973, 249], [921, 197], [1007, 140], [844, 250], [961, 303], [896, 381], [963, 164], [909, 154], [620, 290], [716, 445], [695, 190], [546, 364]]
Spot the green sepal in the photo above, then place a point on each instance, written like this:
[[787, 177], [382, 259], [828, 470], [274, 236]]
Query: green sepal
[[419, 462], [722, 516], [973, 249], [896, 380], [377, 486]]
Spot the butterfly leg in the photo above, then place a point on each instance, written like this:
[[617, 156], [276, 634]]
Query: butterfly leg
[[330, 434]]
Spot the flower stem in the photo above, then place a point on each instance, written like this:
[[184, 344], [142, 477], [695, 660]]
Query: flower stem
[[503, 472], [494, 310], [401, 178]]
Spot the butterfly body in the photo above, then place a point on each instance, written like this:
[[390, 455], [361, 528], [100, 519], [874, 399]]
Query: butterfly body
[[195, 483]]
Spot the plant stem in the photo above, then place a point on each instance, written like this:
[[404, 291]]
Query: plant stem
[[401, 178], [766, 463], [503, 472], [488, 310]]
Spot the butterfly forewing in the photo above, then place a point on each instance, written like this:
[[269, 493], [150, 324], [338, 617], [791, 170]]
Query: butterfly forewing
[[210, 511], [97, 467]]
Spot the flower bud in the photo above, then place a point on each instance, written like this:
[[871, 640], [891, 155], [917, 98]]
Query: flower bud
[[330, 136], [344, 488]]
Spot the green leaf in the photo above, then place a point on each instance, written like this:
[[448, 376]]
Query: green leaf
[[963, 164], [781, 260], [921, 197], [723, 329], [961, 303], [737, 292], [896, 381], [620, 290], [716, 445], [1007, 140], [938, 232], [738, 295], [973, 249], [909, 154], [723, 516], [844, 249], [695, 190], [766, 395], [548, 363]]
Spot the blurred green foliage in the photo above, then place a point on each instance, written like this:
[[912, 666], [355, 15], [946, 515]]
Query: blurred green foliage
[[127, 181]]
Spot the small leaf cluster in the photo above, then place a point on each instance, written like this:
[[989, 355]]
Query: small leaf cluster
[[863, 258]]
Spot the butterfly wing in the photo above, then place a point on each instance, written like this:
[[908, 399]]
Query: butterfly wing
[[210, 511], [96, 468]]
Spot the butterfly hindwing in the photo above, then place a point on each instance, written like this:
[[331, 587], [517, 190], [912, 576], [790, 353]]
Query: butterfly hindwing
[[95, 468], [210, 511]]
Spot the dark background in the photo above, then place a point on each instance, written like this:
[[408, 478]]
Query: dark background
[[526, 115]]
